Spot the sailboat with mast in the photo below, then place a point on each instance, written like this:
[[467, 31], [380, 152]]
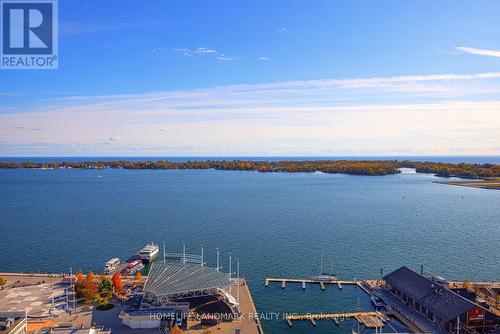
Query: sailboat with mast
[[323, 275]]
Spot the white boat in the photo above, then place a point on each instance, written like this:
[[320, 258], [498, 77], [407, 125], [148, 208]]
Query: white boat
[[134, 267], [377, 302], [149, 253], [323, 276], [111, 265]]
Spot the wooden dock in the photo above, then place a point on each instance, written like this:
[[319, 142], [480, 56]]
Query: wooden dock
[[330, 316], [371, 321], [364, 288], [368, 319], [302, 281]]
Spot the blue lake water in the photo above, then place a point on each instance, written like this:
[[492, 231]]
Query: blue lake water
[[277, 224]]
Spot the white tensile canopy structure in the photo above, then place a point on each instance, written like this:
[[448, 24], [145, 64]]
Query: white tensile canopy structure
[[171, 280]]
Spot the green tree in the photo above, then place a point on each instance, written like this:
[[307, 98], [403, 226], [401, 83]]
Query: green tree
[[105, 290], [105, 285]]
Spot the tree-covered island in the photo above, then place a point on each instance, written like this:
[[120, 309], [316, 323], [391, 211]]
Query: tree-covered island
[[353, 167]]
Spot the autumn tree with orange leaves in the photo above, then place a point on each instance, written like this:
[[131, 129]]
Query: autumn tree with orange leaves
[[117, 282], [176, 330], [79, 276], [86, 287], [138, 276]]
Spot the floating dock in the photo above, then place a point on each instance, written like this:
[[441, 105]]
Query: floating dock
[[368, 319], [310, 281], [371, 321], [322, 284]]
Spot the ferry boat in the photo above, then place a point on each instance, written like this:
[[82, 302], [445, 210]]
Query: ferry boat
[[134, 267], [111, 265], [149, 253]]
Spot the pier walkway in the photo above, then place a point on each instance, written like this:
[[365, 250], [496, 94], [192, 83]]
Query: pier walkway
[[368, 319], [322, 284], [303, 281]]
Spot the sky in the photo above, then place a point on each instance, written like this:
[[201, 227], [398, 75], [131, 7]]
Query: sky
[[266, 78]]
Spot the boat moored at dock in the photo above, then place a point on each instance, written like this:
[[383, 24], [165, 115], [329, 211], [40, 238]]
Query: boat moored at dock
[[134, 267], [324, 278], [376, 301], [111, 266], [149, 253]]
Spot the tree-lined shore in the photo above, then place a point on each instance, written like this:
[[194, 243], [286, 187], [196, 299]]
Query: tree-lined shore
[[353, 167]]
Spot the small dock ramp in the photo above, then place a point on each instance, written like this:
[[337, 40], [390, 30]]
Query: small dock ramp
[[368, 319]]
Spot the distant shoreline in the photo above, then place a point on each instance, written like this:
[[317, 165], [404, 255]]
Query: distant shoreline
[[350, 167], [483, 184]]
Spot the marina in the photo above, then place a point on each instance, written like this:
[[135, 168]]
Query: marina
[[167, 289], [455, 305], [200, 297]]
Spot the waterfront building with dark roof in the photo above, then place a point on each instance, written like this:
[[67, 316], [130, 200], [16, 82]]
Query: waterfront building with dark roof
[[445, 308]]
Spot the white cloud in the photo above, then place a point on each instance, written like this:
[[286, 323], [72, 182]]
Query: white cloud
[[160, 52], [453, 84], [184, 52], [479, 52], [207, 51], [425, 114], [203, 51], [112, 139], [263, 58], [226, 58]]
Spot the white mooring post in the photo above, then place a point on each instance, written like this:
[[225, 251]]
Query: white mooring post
[[183, 253], [217, 260], [321, 265], [202, 255], [238, 277], [69, 290]]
